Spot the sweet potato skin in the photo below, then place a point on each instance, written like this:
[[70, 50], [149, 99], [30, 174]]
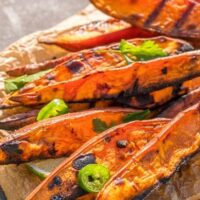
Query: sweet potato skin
[[181, 104], [104, 149], [158, 160], [173, 18], [104, 84], [57, 136]]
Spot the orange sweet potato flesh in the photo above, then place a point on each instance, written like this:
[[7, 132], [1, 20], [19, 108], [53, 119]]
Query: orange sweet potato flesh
[[57, 136], [182, 103], [96, 33], [136, 78], [158, 160], [173, 18], [105, 149]]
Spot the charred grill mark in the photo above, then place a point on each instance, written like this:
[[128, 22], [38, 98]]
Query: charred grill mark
[[56, 181], [144, 99], [83, 160], [122, 143], [154, 87], [74, 66], [11, 148], [177, 89], [155, 13], [164, 70], [183, 18]]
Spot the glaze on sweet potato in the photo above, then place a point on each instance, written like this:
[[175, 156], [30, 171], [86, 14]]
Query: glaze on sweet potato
[[96, 33], [178, 18], [106, 149], [58, 136], [158, 160], [182, 103], [136, 78], [83, 37]]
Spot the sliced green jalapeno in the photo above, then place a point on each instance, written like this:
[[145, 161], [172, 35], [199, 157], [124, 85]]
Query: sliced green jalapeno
[[93, 177], [54, 108]]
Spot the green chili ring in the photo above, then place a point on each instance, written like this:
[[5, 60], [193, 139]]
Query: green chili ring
[[93, 177], [54, 108]]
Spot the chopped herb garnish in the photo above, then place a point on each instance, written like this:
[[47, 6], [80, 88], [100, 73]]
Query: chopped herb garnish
[[137, 116], [99, 125], [146, 51], [14, 84]]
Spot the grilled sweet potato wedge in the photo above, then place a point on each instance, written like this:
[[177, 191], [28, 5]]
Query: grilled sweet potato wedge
[[94, 58], [172, 18], [82, 37], [103, 57], [158, 160], [182, 103], [136, 78], [57, 136], [95, 33], [111, 149]]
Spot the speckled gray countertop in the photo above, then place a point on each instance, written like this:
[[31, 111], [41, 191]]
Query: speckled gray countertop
[[21, 17]]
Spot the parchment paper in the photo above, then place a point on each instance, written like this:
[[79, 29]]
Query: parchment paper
[[16, 181]]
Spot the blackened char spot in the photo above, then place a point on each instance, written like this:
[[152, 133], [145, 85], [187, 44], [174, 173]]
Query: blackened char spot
[[107, 139], [57, 197], [164, 70], [122, 143], [56, 181], [83, 160], [52, 149], [11, 147], [144, 99], [176, 89], [74, 66]]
